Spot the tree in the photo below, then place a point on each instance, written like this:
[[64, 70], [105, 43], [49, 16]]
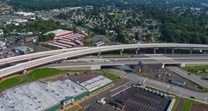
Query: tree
[[137, 35], [48, 37]]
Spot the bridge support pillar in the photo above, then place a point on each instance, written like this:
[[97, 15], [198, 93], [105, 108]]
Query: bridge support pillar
[[24, 72], [155, 50], [137, 51], [99, 53], [121, 52], [191, 51], [173, 50]]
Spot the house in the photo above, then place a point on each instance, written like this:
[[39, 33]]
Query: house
[[31, 39]]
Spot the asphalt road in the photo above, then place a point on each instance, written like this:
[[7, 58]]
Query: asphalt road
[[181, 92], [191, 77], [121, 60]]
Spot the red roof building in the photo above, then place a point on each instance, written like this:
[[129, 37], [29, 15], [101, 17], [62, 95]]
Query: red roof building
[[60, 33]]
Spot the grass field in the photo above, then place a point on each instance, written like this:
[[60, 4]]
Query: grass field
[[44, 73], [11, 82], [195, 69], [113, 77], [119, 16], [188, 102]]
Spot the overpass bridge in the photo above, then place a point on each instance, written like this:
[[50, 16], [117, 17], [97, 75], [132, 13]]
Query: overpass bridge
[[71, 54], [94, 62], [32, 56]]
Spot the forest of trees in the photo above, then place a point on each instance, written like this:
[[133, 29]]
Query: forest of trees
[[38, 26], [51, 4]]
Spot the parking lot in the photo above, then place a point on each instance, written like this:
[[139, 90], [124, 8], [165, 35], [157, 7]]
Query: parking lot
[[136, 99]]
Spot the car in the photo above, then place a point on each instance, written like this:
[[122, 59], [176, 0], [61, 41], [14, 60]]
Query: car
[[115, 59], [192, 97], [168, 74], [189, 73]]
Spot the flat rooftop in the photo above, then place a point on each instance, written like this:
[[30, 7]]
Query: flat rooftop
[[37, 96], [59, 32], [83, 77], [95, 82]]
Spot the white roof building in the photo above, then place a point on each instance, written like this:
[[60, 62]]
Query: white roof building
[[24, 13], [1, 32], [38, 96], [59, 33], [96, 82]]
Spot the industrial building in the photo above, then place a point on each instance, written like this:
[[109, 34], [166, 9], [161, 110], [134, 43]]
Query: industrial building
[[23, 49], [49, 95]]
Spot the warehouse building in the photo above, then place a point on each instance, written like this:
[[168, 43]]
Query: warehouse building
[[50, 96]]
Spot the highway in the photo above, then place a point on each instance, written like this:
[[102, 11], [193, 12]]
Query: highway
[[121, 60], [46, 60], [134, 46], [35, 55]]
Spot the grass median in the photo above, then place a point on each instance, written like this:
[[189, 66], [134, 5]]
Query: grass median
[[188, 103], [113, 77], [196, 69]]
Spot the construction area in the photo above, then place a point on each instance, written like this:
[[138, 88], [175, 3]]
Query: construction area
[[53, 94]]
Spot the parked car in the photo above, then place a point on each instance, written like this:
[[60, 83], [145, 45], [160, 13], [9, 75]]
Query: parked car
[[192, 97]]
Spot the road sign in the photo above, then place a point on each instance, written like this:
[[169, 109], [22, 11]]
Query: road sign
[[140, 64]]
